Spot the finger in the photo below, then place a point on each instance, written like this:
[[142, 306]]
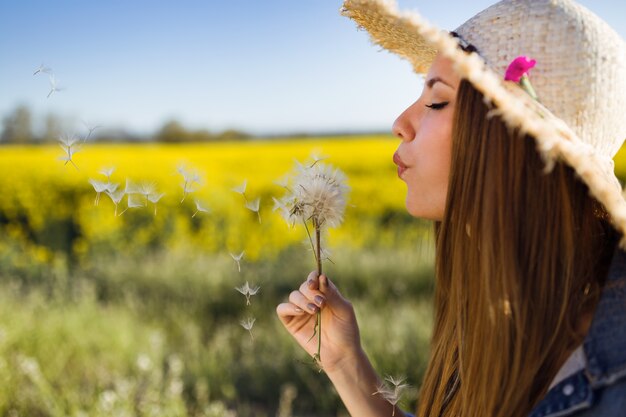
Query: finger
[[312, 282], [330, 291], [312, 295], [297, 298], [288, 310]]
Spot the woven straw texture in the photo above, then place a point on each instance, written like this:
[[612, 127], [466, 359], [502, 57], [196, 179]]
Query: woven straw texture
[[580, 77]]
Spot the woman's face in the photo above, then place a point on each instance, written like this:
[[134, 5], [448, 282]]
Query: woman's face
[[425, 127]]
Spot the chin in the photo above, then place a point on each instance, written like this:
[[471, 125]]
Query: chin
[[422, 212]]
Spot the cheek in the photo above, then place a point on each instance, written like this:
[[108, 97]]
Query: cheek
[[428, 183], [432, 149]]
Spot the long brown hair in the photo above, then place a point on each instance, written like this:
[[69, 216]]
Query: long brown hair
[[521, 256]]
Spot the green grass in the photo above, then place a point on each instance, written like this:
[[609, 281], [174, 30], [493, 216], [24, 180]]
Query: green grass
[[104, 337]]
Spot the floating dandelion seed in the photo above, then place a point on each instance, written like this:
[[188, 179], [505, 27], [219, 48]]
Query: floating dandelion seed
[[199, 208], [254, 206], [247, 324], [241, 189], [131, 187], [116, 196], [107, 172], [68, 144], [248, 291], [318, 195], [54, 85], [133, 201], [237, 259], [391, 389], [42, 69], [154, 199], [99, 187], [112, 187], [144, 188], [90, 129], [190, 181]]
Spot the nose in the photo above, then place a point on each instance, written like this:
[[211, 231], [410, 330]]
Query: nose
[[403, 127]]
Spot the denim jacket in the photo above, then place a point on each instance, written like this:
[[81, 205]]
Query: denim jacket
[[598, 390]]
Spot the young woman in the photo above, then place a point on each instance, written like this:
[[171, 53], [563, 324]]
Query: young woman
[[530, 271]]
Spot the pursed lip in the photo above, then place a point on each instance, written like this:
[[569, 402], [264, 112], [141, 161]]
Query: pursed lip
[[401, 165]]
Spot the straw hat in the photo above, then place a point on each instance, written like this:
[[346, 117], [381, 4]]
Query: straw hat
[[579, 77]]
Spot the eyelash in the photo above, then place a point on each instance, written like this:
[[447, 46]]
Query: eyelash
[[437, 106]]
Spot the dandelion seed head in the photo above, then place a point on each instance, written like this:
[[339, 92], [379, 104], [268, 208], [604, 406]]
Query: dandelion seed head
[[248, 323], [43, 69], [200, 207], [69, 152], [116, 196], [395, 381], [155, 197], [188, 175], [247, 289], [135, 201], [68, 139], [323, 189], [107, 171], [99, 186], [112, 187], [254, 205], [147, 188], [237, 257], [392, 389], [318, 193], [241, 189]]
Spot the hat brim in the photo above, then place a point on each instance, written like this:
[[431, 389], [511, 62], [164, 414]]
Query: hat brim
[[413, 38]]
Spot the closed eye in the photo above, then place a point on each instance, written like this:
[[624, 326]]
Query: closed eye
[[437, 106]]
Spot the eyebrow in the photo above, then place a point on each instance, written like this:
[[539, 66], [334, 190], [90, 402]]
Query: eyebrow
[[434, 80]]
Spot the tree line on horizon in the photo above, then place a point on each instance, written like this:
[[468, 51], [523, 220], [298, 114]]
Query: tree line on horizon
[[21, 127]]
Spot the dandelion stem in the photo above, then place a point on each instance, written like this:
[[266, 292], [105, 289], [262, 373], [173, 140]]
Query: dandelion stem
[[319, 272], [318, 249]]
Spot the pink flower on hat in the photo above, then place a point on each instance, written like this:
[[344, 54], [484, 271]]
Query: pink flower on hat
[[518, 72], [519, 67]]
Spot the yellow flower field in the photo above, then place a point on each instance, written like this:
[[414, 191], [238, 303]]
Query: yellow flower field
[[41, 196]]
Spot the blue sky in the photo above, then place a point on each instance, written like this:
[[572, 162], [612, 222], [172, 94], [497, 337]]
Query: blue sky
[[264, 66]]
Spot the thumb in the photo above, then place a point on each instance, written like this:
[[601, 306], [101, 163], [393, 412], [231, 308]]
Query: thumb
[[331, 292]]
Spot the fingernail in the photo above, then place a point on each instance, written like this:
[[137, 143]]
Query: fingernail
[[299, 310], [319, 300], [310, 283], [312, 307]]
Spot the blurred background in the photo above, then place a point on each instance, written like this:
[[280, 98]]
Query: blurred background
[[137, 314]]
